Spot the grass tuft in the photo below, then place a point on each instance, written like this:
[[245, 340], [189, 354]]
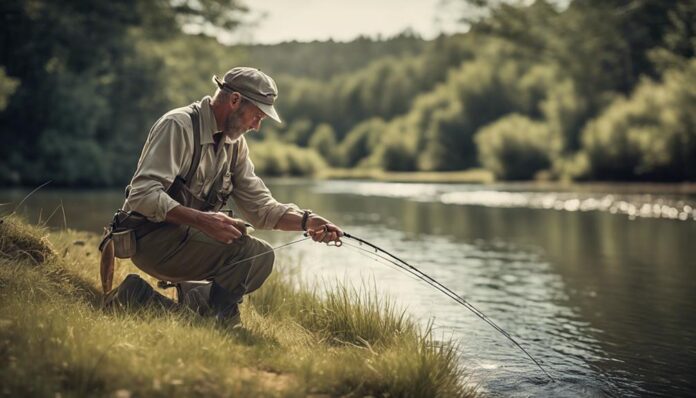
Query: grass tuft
[[22, 241]]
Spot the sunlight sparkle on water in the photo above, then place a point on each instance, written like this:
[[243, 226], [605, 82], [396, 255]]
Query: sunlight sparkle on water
[[632, 205]]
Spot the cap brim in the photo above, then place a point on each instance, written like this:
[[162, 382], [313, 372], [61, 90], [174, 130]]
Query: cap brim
[[269, 110]]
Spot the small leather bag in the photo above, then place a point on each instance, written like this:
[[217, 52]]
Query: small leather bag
[[122, 232]]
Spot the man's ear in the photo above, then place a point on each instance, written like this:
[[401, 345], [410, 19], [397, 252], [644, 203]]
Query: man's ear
[[235, 99]]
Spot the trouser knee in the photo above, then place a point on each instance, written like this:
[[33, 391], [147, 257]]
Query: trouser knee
[[248, 270], [262, 267]]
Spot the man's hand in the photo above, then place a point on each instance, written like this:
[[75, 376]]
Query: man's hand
[[321, 230], [218, 226], [221, 227]]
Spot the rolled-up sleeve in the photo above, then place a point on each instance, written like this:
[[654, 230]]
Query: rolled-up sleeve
[[160, 162], [252, 197]]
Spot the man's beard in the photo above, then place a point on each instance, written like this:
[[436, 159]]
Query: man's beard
[[233, 125]]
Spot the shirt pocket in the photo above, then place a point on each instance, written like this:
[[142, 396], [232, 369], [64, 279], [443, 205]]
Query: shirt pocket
[[226, 186], [199, 182]]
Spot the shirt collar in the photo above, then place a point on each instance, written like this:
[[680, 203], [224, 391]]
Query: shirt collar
[[209, 124]]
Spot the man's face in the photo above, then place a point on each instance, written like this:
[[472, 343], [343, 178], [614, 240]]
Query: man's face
[[245, 118]]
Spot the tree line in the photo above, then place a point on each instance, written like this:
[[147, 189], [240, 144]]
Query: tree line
[[592, 90], [600, 90]]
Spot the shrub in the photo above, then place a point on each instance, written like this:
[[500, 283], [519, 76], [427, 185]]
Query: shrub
[[649, 135], [516, 147], [324, 142], [397, 148], [8, 86], [276, 159], [360, 142]]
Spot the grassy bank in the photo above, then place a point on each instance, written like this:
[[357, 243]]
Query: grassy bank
[[55, 339]]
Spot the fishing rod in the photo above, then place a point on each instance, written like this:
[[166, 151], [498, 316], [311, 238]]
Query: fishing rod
[[444, 289], [403, 265]]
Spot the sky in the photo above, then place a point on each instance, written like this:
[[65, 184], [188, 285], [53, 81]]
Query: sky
[[274, 21]]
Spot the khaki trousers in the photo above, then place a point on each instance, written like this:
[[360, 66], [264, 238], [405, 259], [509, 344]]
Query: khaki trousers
[[178, 253]]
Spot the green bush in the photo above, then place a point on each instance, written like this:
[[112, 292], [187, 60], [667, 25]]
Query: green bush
[[360, 142], [8, 86], [299, 132], [516, 147], [397, 147], [440, 126], [649, 135], [324, 142], [281, 159]]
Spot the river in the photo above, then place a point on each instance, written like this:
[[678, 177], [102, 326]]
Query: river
[[597, 283]]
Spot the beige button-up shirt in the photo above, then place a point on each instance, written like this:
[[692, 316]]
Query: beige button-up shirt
[[168, 152]]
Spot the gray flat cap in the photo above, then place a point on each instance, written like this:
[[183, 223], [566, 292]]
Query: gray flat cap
[[253, 85]]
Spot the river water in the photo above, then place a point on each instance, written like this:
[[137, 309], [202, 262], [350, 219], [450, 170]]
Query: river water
[[597, 283]]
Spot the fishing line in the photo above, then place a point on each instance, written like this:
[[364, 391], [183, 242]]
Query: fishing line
[[271, 250], [387, 262], [449, 293], [410, 269]]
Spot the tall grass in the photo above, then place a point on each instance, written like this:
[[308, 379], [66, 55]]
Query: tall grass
[[55, 339], [342, 315]]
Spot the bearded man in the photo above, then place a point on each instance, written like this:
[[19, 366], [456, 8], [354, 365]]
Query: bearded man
[[195, 159]]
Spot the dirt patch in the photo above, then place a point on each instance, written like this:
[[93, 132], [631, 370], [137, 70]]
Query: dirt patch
[[270, 380]]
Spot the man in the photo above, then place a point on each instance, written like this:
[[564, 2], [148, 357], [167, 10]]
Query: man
[[186, 237]]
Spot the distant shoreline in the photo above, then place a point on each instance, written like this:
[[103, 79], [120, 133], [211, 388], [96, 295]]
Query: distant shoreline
[[481, 176], [471, 176]]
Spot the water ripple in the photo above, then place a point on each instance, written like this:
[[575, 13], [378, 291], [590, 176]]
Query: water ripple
[[632, 205], [647, 206]]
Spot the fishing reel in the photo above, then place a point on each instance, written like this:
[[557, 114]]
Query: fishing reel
[[334, 243]]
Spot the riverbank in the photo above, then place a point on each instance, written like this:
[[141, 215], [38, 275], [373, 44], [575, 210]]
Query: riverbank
[[471, 176], [485, 177], [57, 341]]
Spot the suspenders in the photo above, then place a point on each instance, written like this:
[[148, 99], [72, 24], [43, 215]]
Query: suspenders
[[211, 201]]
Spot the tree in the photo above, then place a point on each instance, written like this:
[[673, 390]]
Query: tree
[[324, 142], [650, 135], [87, 85]]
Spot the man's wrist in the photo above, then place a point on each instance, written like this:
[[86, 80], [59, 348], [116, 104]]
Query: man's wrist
[[305, 219], [315, 221]]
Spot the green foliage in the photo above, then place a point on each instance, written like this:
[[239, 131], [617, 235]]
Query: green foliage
[[330, 58], [8, 86], [649, 135], [678, 45], [95, 75], [360, 142], [277, 159], [396, 155], [443, 122], [397, 150], [383, 88], [299, 132], [565, 111], [323, 141], [516, 148]]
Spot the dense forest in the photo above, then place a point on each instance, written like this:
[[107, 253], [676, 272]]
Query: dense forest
[[591, 90]]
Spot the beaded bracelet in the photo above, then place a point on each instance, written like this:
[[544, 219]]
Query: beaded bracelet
[[305, 217]]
